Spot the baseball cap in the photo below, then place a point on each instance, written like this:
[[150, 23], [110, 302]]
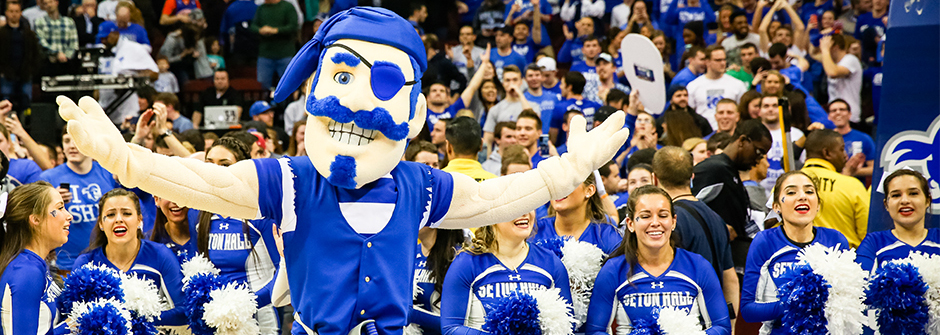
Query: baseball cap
[[196, 14], [259, 107], [546, 63], [605, 57]]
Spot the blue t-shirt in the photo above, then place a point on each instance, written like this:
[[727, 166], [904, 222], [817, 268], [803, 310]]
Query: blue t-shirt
[[28, 302], [694, 239], [794, 73], [866, 21], [684, 77], [810, 8], [86, 190], [158, 264], [328, 262], [243, 254], [448, 113], [546, 103], [571, 51], [133, 32], [554, 89], [592, 83], [855, 136], [688, 284], [426, 312], [527, 49], [882, 246], [586, 107], [769, 261], [24, 171], [475, 282], [873, 76], [603, 235], [499, 61], [526, 6]]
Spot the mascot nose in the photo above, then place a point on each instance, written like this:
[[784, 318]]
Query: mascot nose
[[360, 98]]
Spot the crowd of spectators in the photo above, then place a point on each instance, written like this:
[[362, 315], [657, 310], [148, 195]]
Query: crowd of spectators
[[504, 80]]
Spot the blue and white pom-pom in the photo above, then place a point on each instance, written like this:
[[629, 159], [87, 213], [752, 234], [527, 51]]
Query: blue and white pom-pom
[[675, 321], [905, 295], [99, 317], [231, 310], [88, 283], [200, 278], [583, 261], [826, 294], [142, 299], [540, 312]]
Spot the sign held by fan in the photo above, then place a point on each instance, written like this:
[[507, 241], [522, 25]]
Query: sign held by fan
[[643, 66]]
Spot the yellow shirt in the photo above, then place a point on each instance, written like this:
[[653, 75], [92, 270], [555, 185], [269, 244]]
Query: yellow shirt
[[844, 199], [469, 167]]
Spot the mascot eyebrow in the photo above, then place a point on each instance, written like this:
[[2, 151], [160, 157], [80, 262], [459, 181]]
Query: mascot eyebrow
[[349, 59]]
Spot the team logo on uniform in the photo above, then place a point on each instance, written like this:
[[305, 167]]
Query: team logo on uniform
[[515, 277], [917, 150], [92, 191], [658, 284]]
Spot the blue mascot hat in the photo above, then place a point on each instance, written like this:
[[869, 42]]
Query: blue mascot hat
[[371, 24]]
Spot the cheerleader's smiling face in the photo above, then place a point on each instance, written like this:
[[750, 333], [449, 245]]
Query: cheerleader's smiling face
[[797, 201], [517, 229], [54, 229], [906, 201], [120, 220], [653, 221]]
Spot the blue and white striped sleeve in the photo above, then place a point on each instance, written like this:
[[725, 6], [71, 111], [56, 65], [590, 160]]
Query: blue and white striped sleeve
[[603, 300], [270, 187], [455, 298], [442, 193]]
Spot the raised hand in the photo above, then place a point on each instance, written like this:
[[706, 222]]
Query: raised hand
[[597, 146], [92, 131]]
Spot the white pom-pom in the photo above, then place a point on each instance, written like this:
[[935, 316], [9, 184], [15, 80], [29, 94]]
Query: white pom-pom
[[929, 268], [80, 308], [845, 309], [232, 310], [555, 315], [142, 296], [199, 264], [675, 321], [583, 261], [413, 329]]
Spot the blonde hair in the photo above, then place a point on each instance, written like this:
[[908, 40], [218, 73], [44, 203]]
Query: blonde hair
[[483, 241]]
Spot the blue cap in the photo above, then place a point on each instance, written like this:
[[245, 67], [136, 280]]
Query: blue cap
[[370, 24], [259, 107]]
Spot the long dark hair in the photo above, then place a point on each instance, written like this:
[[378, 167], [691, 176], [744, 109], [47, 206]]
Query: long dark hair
[[241, 152], [98, 238], [24, 201], [442, 254], [159, 233], [629, 247], [680, 126]]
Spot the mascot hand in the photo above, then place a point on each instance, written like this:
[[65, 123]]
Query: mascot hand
[[94, 134], [591, 150]]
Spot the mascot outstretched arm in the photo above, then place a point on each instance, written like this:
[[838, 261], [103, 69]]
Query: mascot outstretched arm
[[350, 210]]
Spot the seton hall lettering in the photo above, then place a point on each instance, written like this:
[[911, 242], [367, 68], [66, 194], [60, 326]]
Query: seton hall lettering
[[658, 299], [499, 290]]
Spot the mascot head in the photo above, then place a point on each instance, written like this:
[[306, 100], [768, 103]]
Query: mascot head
[[364, 100]]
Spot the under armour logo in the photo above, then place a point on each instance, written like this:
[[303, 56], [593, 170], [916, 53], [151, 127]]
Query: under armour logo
[[422, 264], [659, 285], [515, 277], [223, 226]]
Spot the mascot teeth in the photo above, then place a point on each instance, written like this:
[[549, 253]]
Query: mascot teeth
[[350, 134]]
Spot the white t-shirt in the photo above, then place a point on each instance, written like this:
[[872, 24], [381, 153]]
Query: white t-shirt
[[733, 45], [505, 111], [849, 88], [705, 93], [775, 157], [620, 15]]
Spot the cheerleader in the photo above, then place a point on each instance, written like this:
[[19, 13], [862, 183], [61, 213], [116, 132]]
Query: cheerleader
[[773, 252], [647, 272], [437, 249], [119, 243], [36, 222], [498, 261], [173, 227], [907, 199], [580, 214], [237, 247]]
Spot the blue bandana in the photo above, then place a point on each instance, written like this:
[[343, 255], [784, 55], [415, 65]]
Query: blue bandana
[[371, 24]]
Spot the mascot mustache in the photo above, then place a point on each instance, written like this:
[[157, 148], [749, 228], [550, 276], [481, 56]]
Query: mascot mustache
[[378, 119]]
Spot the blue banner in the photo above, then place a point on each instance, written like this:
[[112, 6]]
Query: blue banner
[[910, 104]]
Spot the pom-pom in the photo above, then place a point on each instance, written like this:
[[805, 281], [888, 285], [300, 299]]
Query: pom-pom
[[231, 310], [804, 299], [199, 264], [646, 326], [88, 283], [413, 329], [845, 308], [100, 317], [515, 314], [674, 321], [141, 325], [929, 268], [142, 297], [197, 292], [553, 244], [896, 292], [583, 261], [555, 315]]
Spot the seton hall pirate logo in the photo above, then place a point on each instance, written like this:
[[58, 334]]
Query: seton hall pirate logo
[[918, 150]]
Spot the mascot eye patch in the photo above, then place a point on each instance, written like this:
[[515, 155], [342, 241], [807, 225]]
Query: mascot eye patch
[[386, 77]]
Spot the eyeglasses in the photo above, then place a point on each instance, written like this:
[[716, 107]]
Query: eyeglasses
[[386, 78]]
